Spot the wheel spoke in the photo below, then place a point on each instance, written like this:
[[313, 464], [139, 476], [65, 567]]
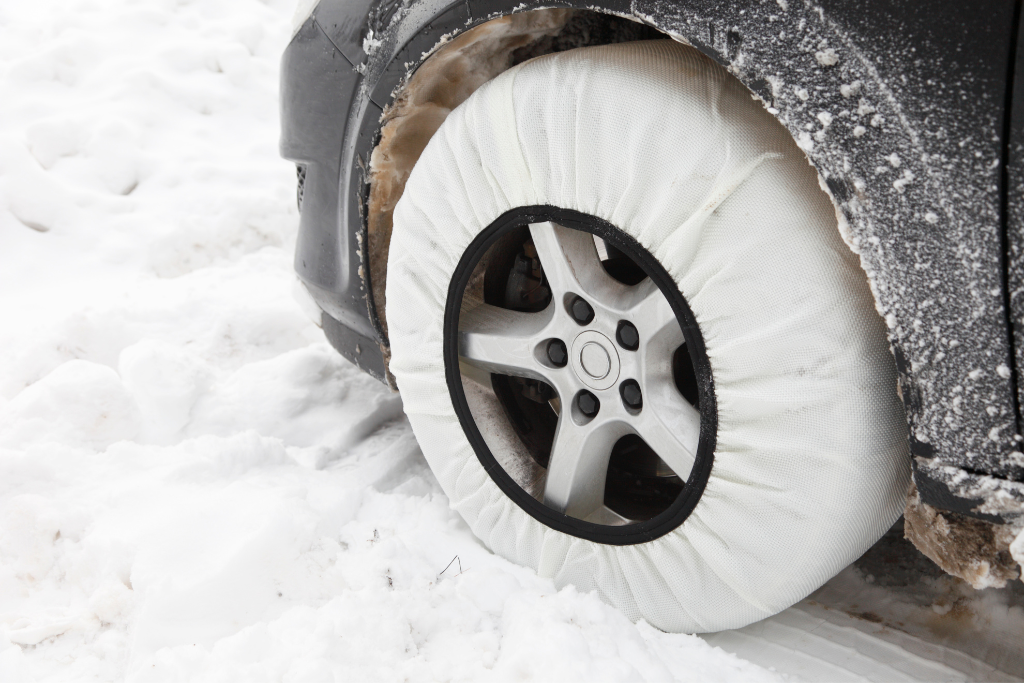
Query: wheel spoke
[[671, 427], [571, 262], [555, 248], [668, 423], [579, 465], [502, 341], [654, 317]]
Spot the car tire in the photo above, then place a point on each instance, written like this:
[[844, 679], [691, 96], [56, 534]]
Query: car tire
[[757, 369]]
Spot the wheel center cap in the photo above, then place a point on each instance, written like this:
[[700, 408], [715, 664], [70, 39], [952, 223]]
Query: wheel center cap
[[595, 360]]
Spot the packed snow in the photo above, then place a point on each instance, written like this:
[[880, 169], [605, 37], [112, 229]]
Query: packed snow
[[193, 485]]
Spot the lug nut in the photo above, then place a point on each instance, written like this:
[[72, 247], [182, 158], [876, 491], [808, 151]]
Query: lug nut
[[581, 311], [631, 394], [588, 403], [627, 336], [557, 353]]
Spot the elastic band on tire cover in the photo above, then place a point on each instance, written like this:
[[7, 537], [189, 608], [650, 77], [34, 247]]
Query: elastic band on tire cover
[[811, 460], [681, 508]]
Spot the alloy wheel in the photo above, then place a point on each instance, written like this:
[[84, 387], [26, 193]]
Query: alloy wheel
[[589, 362]]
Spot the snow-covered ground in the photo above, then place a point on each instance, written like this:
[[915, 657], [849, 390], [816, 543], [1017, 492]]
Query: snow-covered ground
[[193, 485]]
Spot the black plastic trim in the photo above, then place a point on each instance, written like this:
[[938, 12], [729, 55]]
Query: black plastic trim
[[1004, 210], [679, 511], [937, 494], [358, 349]]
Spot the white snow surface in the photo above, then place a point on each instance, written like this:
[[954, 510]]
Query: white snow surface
[[193, 485]]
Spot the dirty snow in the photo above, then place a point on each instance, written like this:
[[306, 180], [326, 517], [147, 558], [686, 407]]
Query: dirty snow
[[193, 485]]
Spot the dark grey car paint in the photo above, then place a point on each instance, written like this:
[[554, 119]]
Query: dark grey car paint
[[928, 222]]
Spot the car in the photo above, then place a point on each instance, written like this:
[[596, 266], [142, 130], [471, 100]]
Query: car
[[687, 302]]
